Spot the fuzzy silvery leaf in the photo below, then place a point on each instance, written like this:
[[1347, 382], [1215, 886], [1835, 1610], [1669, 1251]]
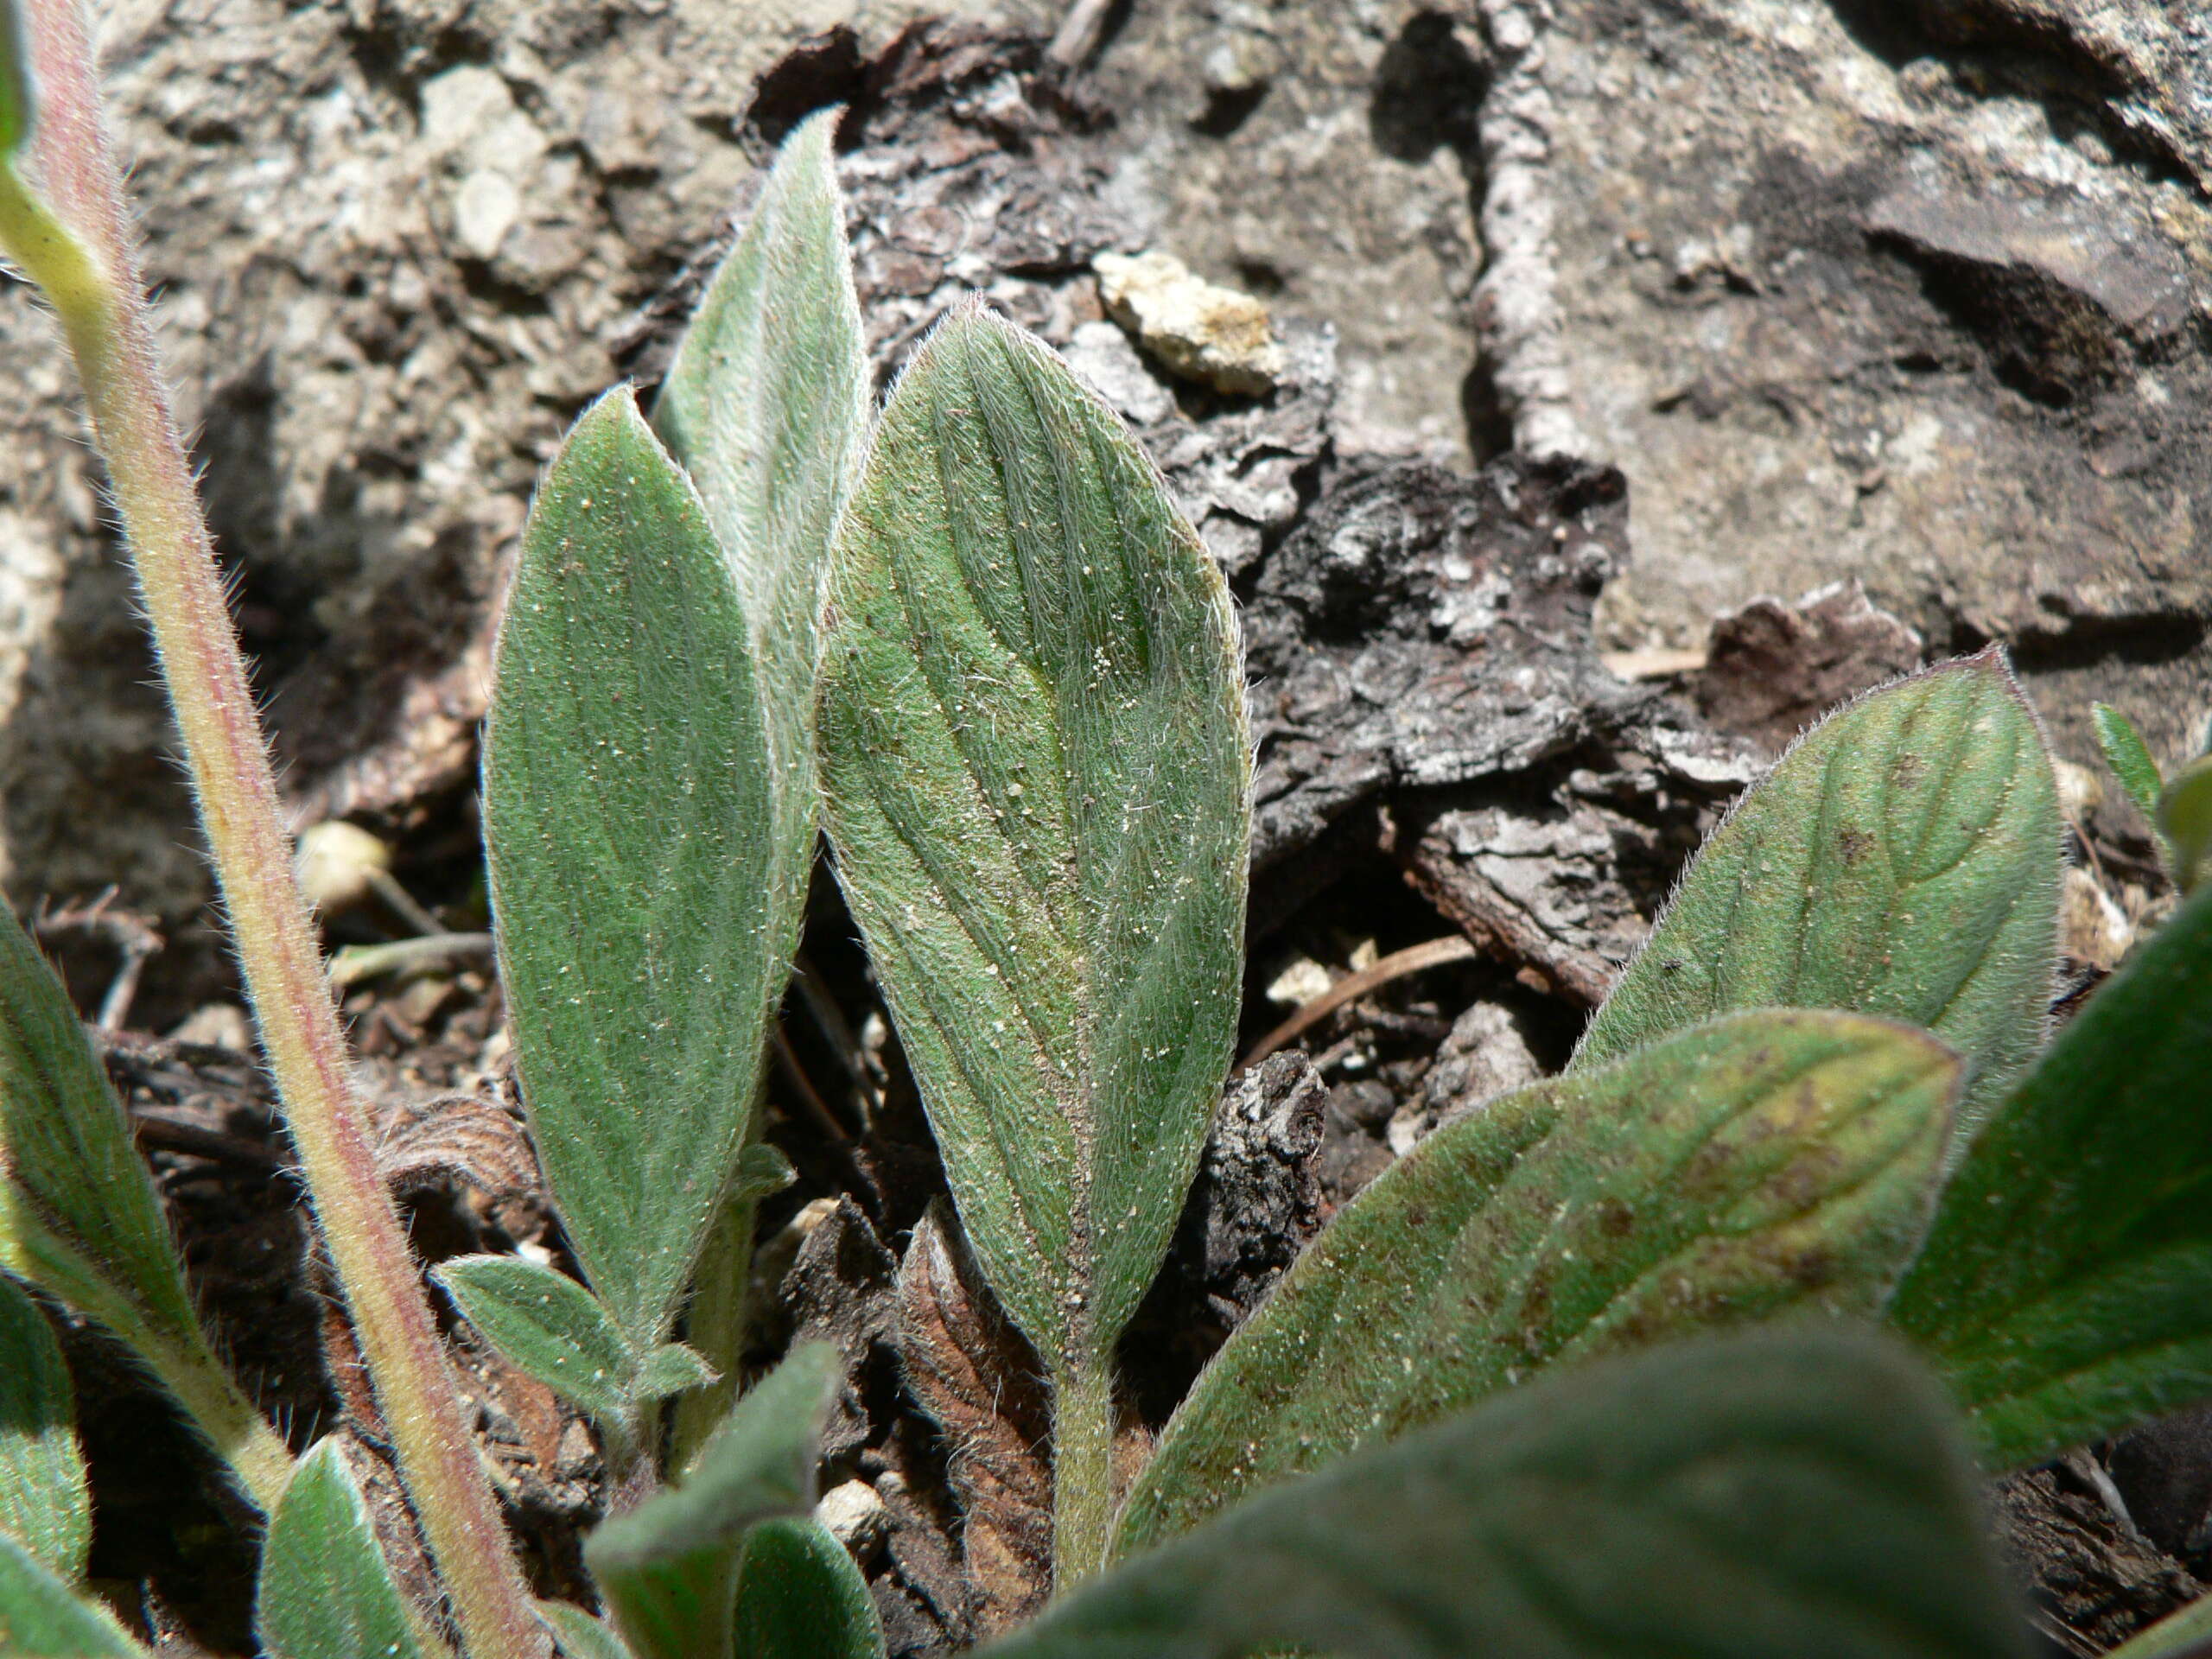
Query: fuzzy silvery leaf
[[2066, 1289], [668, 1569], [2129, 757], [41, 1617], [1902, 859], [1764, 1165], [546, 1325], [1037, 766], [800, 1596], [325, 1590], [765, 405], [1800, 1494], [629, 832], [78, 1214], [43, 1502]]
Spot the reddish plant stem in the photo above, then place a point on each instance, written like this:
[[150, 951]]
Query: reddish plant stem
[[84, 258]]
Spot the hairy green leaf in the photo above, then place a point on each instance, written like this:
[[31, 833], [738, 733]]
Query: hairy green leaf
[[630, 837], [1901, 861], [78, 1214], [18, 105], [669, 1568], [2185, 818], [1794, 1494], [325, 1590], [799, 1596], [1036, 762], [762, 1172], [1761, 1166], [578, 1634], [2129, 757], [673, 1369], [546, 1325], [43, 1501], [765, 405], [2066, 1288], [40, 1617]]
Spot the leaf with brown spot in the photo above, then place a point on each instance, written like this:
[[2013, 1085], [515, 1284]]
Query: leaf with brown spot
[[974, 1375], [1762, 1166]]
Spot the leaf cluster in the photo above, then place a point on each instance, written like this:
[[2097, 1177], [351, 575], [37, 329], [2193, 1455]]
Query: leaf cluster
[[1596, 1369]]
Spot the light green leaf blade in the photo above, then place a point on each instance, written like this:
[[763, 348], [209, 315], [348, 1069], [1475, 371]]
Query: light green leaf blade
[[1769, 1495], [325, 1590], [765, 405], [668, 1569], [43, 1501], [1037, 766], [78, 1214], [673, 1369], [1902, 860], [799, 1596], [578, 1634], [2186, 1632], [2185, 817], [2066, 1288], [1764, 1165], [2129, 757], [40, 1617], [547, 1324], [18, 104], [629, 836]]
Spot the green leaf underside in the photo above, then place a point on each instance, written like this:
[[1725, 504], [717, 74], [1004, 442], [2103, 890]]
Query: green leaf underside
[[1764, 1165], [2129, 757], [765, 405], [78, 1214], [324, 1591], [1902, 860], [1794, 1494], [40, 1617], [668, 1569], [672, 1369], [2066, 1288], [43, 1502], [1036, 763], [799, 1596], [628, 836], [545, 1324], [578, 1634]]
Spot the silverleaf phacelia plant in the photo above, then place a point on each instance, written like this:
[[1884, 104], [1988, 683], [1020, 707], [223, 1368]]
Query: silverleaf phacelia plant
[[1592, 1371]]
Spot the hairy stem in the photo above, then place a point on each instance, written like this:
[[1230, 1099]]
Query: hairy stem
[[714, 1325], [75, 244], [1082, 1469]]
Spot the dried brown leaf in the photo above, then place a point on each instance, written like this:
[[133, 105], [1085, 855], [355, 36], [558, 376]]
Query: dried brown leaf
[[973, 1373]]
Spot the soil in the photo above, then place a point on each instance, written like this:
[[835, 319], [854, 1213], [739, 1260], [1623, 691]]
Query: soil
[[1443, 752]]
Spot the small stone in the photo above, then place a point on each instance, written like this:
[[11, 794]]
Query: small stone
[[2093, 930], [485, 209], [1203, 333], [856, 1515], [2081, 792], [219, 1024], [1299, 984], [338, 864]]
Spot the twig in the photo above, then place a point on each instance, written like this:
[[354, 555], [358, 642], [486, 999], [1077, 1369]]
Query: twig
[[402, 957], [1414, 959], [133, 936]]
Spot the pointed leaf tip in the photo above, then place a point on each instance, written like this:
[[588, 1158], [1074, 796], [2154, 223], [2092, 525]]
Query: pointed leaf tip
[[326, 1591], [1901, 860], [44, 1503]]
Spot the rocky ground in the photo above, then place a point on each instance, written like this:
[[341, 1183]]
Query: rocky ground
[[1594, 339]]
